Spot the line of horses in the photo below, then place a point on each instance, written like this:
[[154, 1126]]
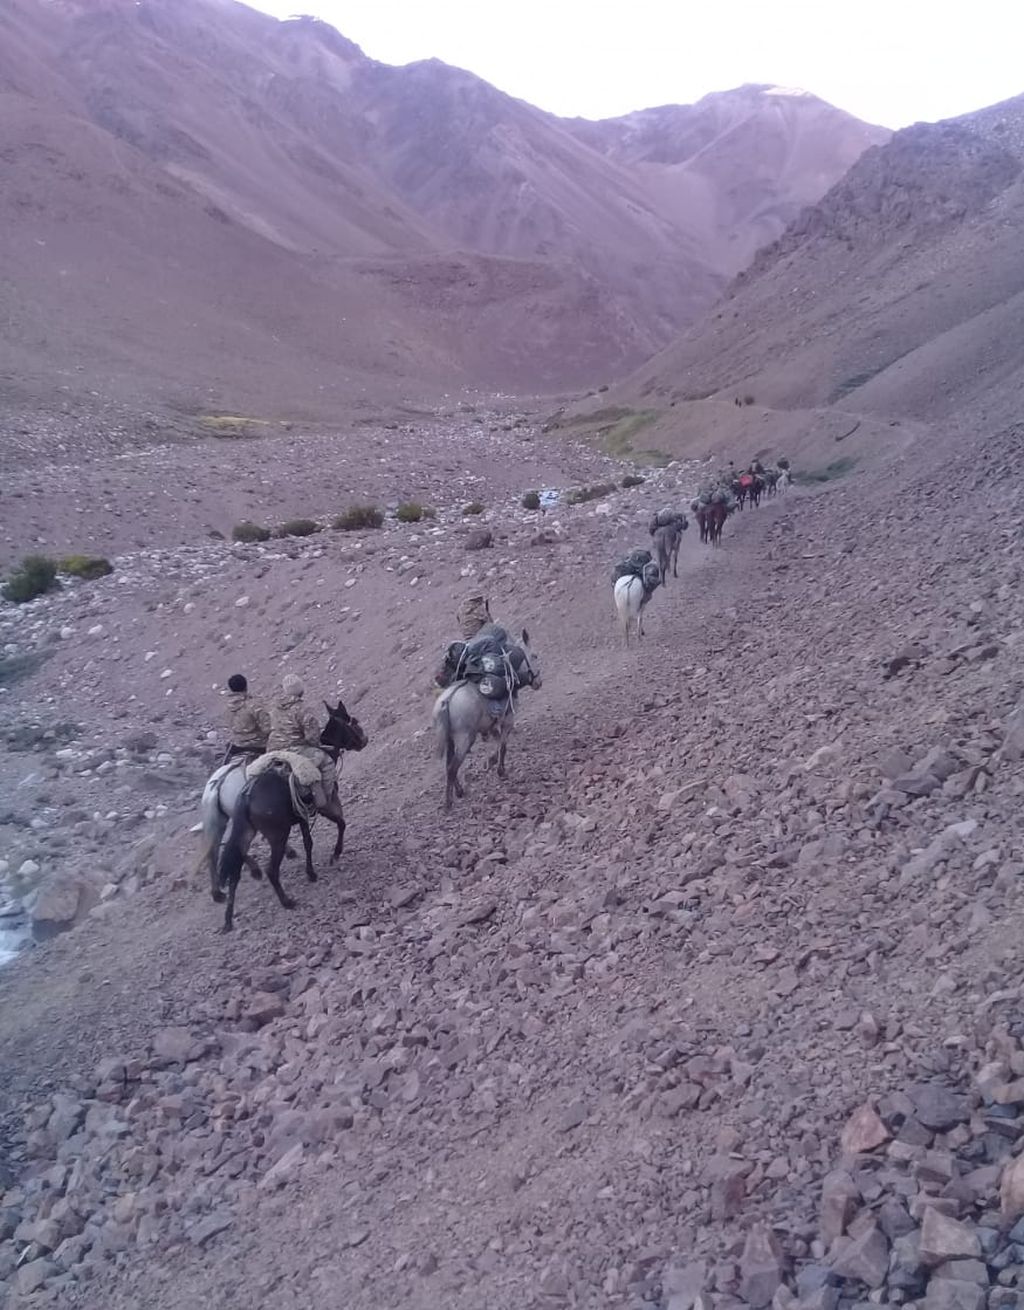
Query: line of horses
[[237, 808]]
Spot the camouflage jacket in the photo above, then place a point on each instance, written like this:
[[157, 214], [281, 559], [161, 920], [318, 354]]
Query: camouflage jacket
[[291, 725], [248, 722]]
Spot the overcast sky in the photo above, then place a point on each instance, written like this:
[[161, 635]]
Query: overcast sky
[[889, 61]]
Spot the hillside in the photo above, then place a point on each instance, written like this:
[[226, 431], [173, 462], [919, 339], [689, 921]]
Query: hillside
[[206, 205], [900, 296]]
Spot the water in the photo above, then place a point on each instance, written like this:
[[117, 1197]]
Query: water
[[549, 497], [15, 930]]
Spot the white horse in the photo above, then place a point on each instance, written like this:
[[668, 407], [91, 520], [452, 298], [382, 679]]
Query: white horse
[[785, 481], [462, 713], [631, 597]]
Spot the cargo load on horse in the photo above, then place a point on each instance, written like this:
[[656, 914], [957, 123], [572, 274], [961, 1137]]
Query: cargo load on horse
[[639, 564], [491, 660], [667, 518]]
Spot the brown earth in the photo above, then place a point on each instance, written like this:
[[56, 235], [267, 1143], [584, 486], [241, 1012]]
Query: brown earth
[[608, 1018], [205, 207]]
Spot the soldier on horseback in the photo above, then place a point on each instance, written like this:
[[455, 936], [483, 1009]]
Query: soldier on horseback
[[473, 614], [296, 729], [248, 721]]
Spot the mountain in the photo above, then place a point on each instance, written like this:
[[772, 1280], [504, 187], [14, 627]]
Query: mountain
[[901, 293], [203, 202]]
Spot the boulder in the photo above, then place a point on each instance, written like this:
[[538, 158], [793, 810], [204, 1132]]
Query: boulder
[[944, 1238], [864, 1131], [62, 902], [761, 1267], [864, 1258]]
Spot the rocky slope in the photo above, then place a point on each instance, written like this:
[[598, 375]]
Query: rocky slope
[[898, 294], [205, 205], [715, 1002]]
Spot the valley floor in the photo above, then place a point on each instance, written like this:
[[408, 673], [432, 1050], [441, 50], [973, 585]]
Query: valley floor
[[575, 1043]]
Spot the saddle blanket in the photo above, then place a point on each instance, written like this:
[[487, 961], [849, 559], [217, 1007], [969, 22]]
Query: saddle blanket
[[304, 771]]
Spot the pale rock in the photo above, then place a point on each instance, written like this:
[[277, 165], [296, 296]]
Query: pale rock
[[864, 1258], [761, 1267], [864, 1131], [945, 1238], [1011, 1189]]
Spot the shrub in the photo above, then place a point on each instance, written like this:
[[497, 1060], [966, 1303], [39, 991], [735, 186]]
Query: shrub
[[748, 400], [249, 532], [409, 512], [531, 500], [298, 528], [579, 495], [358, 517], [633, 480], [474, 507], [33, 577], [89, 567]]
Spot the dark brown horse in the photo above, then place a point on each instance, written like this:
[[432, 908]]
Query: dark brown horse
[[717, 513]]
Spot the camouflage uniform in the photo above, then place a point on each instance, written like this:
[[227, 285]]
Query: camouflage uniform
[[248, 725], [473, 614], [294, 728]]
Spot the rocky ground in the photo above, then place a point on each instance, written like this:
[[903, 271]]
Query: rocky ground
[[716, 1002]]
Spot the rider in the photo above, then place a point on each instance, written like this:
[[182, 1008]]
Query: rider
[[294, 728], [248, 721], [473, 614]]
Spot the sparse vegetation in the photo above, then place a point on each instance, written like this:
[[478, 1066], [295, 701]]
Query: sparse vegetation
[[89, 567], [580, 495], [249, 532], [633, 480], [358, 518], [227, 426], [531, 500], [298, 528], [748, 400], [474, 507], [409, 512], [837, 469], [33, 577]]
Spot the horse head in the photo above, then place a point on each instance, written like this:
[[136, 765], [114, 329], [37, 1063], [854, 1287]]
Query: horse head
[[343, 732], [529, 673]]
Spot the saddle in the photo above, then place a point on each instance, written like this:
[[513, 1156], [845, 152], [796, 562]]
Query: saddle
[[301, 768], [639, 564]]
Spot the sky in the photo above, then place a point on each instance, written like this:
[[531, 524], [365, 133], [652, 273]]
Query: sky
[[891, 62]]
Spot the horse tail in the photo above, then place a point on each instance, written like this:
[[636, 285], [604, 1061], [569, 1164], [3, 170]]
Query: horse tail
[[443, 722], [237, 840]]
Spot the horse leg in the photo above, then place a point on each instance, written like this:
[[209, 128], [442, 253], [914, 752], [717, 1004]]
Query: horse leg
[[278, 842], [333, 811], [214, 826], [504, 734], [307, 845], [461, 745], [229, 871]]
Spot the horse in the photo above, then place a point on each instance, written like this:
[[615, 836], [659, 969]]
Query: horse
[[771, 482], [717, 513], [741, 489], [700, 513], [667, 540], [756, 490], [783, 482], [631, 597], [220, 795], [462, 713]]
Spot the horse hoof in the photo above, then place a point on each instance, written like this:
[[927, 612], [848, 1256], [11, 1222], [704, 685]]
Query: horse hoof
[[219, 897], [312, 877], [228, 927], [288, 903]]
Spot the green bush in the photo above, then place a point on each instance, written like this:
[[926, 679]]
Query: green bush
[[358, 517], [409, 512], [298, 528], [89, 567], [474, 507], [531, 500], [33, 577], [580, 495], [249, 532], [633, 480]]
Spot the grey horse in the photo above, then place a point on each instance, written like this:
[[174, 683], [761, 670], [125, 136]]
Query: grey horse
[[462, 713]]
